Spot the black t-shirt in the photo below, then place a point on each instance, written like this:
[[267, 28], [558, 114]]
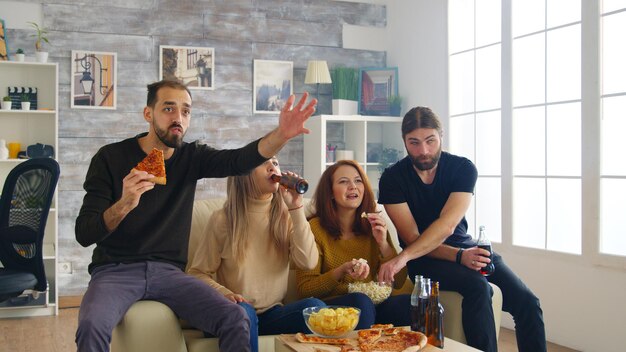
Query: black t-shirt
[[158, 228], [401, 184]]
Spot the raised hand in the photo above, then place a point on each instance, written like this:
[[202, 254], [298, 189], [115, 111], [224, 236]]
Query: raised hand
[[291, 120]]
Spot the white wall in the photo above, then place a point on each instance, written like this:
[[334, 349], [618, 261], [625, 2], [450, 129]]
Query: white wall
[[584, 304], [16, 14]]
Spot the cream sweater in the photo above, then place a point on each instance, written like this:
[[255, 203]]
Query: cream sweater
[[261, 278]]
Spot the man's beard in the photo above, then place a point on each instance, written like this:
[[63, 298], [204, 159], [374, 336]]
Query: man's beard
[[428, 164], [171, 141]]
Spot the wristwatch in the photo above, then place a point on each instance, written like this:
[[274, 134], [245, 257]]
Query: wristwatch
[[458, 255]]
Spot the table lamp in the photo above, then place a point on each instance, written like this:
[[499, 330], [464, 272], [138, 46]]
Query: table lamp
[[317, 72]]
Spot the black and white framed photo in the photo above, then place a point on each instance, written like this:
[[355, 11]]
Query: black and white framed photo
[[272, 86], [378, 88], [191, 66], [94, 80]]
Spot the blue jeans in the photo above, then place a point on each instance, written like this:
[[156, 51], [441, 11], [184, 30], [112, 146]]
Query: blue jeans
[[394, 310], [113, 288], [285, 319]]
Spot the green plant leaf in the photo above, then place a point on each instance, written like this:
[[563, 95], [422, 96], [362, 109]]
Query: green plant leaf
[[345, 81]]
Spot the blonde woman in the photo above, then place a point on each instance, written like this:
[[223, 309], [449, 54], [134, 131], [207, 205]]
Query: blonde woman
[[247, 247]]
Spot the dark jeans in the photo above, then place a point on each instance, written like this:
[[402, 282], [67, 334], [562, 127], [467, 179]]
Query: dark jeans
[[115, 287], [394, 310], [478, 322], [285, 319]]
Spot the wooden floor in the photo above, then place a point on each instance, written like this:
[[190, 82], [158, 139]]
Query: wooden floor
[[56, 334]]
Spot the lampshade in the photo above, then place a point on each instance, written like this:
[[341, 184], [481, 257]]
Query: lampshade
[[317, 72]]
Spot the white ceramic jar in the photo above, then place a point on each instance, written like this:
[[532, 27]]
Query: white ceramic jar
[[4, 151]]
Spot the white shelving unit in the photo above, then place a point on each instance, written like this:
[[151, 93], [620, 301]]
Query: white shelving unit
[[366, 136], [30, 127]]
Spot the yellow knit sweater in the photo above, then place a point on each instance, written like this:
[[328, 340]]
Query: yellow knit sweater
[[320, 283]]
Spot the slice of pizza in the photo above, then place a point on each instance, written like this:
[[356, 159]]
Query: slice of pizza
[[369, 336], [413, 340], [154, 164], [381, 326], [304, 338], [391, 331]]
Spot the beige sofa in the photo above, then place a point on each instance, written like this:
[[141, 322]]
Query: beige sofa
[[152, 326]]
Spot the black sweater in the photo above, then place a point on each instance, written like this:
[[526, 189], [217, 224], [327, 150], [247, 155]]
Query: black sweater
[[158, 228]]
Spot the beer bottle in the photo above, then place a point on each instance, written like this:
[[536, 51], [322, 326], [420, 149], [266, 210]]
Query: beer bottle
[[484, 243], [435, 318], [414, 299], [292, 182], [420, 314]]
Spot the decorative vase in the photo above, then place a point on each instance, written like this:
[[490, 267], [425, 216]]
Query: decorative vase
[[42, 56], [19, 57], [345, 107], [26, 105], [6, 105], [4, 151]]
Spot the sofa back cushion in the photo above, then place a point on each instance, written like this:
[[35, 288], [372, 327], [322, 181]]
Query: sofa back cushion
[[202, 210]]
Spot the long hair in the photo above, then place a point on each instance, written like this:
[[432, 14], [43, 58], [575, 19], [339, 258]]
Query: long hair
[[239, 189], [420, 117], [326, 208]]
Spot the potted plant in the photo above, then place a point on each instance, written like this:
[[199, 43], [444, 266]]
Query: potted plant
[[345, 90], [6, 103], [388, 156], [42, 36], [25, 98], [19, 54], [395, 105]]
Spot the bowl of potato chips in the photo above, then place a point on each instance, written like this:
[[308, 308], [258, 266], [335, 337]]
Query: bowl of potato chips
[[331, 321]]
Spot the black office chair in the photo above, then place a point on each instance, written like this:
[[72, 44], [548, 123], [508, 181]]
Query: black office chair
[[24, 205]]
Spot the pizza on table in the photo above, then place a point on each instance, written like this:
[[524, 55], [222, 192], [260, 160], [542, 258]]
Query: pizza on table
[[379, 338]]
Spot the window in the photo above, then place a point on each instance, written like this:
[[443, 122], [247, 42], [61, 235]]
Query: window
[[546, 126], [554, 125], [613, 124], [475, 50]]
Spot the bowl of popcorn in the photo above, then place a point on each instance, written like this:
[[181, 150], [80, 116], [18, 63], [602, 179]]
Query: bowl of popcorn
[[331, 321], [376, 291]]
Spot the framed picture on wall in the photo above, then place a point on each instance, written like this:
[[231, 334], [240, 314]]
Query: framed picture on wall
[[272, 85], [4, 48], [93, 80], [191, 66], [377, 88]]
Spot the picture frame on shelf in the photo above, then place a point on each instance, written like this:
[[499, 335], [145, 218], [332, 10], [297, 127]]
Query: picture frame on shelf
[[192, 66], [93, 83], [272, 85], [376, 87], [4, 47]]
